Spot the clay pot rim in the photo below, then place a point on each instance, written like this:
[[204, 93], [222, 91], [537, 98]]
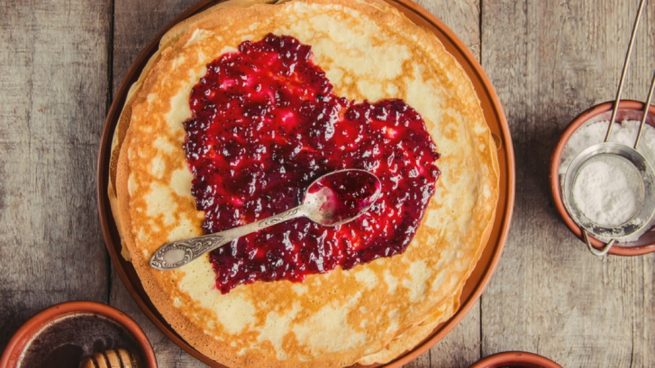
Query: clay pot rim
[[517, 359], [576, 123], [35, 324]]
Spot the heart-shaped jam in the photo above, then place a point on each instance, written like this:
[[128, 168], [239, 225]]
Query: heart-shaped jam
[[265, 124]]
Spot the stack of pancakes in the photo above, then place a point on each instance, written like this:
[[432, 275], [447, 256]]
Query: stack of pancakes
[[368, 314]]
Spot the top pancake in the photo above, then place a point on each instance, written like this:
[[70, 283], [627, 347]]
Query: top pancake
[[368, 314]]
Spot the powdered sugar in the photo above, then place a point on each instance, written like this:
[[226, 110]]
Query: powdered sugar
[[608, 188]]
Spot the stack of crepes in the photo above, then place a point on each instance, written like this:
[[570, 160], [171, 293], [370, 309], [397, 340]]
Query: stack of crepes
[[368, 314]]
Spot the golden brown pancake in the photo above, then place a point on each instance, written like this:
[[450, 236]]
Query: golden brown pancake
[[368, 314]]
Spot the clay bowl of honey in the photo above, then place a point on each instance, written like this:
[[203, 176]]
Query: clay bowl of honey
[[79, 334], [589, 128], [515, 359]]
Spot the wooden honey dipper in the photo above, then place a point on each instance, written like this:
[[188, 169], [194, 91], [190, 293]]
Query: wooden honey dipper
[[115, 358]]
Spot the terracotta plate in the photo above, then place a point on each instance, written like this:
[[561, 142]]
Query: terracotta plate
[[494, 116]]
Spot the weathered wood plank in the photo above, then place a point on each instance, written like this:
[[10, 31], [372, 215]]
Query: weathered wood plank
[[463, 17], [53, 65], [549, 61], [135, 25]]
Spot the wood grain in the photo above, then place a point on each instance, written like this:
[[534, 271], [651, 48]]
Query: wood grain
[[53, 83], [549, 61]]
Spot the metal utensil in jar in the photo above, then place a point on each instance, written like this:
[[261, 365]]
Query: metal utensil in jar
[[643, 216]]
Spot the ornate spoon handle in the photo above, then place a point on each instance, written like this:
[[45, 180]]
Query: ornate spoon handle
[[180, 252]]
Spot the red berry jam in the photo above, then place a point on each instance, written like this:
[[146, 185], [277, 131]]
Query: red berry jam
[[265, 124], [342, 195]]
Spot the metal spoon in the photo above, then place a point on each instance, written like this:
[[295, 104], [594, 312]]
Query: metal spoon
[[318, 205]]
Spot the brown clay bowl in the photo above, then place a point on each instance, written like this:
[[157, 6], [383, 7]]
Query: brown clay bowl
[[489, 259], [515, 359], [31, 328], [628, 109]]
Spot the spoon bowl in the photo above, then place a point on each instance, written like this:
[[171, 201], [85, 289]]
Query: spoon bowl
[[341, 196]]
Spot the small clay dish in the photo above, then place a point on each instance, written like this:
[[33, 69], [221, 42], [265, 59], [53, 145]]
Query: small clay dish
[[42, 336], [515, 359], [628, 110]]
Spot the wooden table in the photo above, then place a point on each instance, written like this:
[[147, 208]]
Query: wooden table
[[549, 60]]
